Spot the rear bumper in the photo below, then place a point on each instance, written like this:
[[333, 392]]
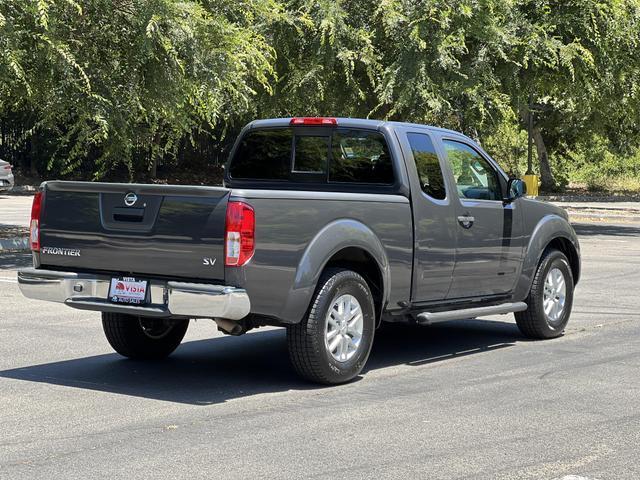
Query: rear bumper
[[167, 298]]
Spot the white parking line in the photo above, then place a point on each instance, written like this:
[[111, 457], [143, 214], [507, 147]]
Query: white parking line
[[8, 280], [573, 477]]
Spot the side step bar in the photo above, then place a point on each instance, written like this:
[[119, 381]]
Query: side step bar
[[427, 318]]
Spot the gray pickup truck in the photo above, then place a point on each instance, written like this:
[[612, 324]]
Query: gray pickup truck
[[325, 226]]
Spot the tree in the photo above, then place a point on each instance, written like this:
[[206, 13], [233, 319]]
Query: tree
[[469, 65], [99, 88], [122, 83], [570, 57], [326, 63]]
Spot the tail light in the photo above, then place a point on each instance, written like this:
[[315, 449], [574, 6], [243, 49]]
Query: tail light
[[239, 243], [7, 167], [321, 121], [34, 230]]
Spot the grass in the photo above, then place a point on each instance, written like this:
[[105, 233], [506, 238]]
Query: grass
[[613, 185]]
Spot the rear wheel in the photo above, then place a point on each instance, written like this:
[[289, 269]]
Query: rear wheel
[[332, 343], [142, 337], [550, 299]]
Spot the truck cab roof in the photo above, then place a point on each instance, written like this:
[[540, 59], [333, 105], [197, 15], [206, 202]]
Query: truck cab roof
[[357, 123]]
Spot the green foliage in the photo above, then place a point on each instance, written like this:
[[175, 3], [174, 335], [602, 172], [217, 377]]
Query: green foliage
[[508, 145], [111, 88], [124, 83], [595, 165]]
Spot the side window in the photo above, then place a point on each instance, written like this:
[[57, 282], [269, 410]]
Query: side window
[[429, 171], [360, 156], [475, 178]]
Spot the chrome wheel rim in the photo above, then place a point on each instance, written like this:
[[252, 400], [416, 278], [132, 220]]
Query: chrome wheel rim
[[154, 328], [343, 330], [555, 294]]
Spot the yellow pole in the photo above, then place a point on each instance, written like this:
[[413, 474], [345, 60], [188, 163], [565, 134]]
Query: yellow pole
[[532, 183]]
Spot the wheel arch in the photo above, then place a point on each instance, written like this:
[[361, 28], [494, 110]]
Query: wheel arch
[[344, 243], [565, 245], [552, 231], [363, 263]]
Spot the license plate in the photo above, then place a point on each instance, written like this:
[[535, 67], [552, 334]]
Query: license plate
[[128, 290]]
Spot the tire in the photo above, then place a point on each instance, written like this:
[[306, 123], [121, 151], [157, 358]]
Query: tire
[[143, 338], [535, 322], [310, 351]]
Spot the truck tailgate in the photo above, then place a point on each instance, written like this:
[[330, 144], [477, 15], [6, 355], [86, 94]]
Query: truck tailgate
[[143, 230]]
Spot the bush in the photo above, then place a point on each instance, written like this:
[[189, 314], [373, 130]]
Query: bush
[[600, 168]]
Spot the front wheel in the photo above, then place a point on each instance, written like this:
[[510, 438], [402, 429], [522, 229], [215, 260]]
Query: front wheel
[[550, 299], [332, 343], [143, 338]]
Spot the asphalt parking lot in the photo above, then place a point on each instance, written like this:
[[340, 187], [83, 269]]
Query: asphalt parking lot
[[469, 399], [14, 209]]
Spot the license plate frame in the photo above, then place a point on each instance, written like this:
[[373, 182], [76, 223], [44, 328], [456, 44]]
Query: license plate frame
[[128, 291]]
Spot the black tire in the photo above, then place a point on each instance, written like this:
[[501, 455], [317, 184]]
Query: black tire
[[308, 349], [143, 338], [533, 322]]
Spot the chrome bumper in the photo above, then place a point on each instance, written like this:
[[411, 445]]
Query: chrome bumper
[[6, 183], [167, 298]]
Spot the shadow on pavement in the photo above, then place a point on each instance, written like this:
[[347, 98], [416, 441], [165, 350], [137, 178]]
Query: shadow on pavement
[[417, 345], [608, 229], [13, 260], [211, 371]]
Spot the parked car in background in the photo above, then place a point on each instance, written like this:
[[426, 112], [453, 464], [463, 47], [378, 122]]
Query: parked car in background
[[325, 226], [6, 176]]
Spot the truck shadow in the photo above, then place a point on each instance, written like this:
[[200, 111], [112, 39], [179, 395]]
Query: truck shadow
[[206, 372], [607, 229], [419, 345], [13, 260]]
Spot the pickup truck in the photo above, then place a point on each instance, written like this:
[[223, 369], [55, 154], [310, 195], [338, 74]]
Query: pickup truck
[[325, 226]]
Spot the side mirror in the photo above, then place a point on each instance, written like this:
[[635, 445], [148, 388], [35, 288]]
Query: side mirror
[[516, 188]]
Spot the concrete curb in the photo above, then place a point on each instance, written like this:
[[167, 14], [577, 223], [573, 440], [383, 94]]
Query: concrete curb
[[20, 190], [14, 244], [607, 208], [603, 216], [588, 198]]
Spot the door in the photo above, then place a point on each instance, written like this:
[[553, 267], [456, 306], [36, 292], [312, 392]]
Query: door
[[488, 248], [433, 220]]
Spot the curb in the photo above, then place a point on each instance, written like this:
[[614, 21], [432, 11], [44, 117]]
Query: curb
[[20, 190], [577, 208], [14, 244], [587, 198], [576, 216]]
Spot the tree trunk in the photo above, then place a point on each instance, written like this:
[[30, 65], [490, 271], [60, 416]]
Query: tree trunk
[[31, 153], [155, 153], [154, 167], [547, 182]]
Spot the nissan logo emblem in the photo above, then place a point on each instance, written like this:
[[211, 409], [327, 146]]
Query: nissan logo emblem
[[130, 199]]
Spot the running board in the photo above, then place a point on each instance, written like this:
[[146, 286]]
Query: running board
[[427, 318]]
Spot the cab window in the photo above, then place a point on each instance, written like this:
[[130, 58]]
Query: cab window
[[360, 156], [428, 166]]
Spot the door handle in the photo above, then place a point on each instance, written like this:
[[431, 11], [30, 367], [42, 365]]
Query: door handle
[[466, 221]]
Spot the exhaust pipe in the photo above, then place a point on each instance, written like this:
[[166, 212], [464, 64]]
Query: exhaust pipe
[[229, 327]]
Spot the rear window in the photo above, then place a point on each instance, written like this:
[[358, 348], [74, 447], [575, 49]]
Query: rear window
[[311, 155], [263, 155], [330, 155]]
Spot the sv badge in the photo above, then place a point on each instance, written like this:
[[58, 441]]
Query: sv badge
[[209, 261]]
